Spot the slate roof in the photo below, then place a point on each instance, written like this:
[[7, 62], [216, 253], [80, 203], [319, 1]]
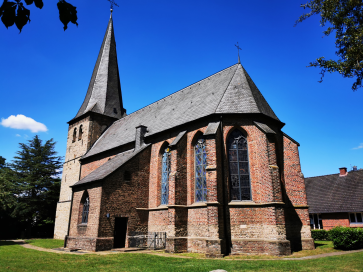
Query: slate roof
[[110, 166], [331, 193], [104, 90], [228, 91], [265, 128]]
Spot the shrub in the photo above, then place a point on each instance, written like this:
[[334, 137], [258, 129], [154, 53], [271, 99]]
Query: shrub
[[321, 235], [347, 238]]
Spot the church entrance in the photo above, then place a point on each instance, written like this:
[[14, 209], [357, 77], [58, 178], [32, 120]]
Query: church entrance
[[120, 232]]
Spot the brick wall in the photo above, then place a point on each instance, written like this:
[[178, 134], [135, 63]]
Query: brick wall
[[122, 198], [296, 213], [90, 229], [331, 220], [118, 198], [89, 167]]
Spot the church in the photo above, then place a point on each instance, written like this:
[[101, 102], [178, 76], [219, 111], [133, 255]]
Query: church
[[206, 168]]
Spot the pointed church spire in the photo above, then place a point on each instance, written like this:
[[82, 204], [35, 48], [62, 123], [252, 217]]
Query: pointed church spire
[[104, 90]]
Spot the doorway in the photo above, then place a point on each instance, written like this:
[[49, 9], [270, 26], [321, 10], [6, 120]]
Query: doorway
[[120, 232]]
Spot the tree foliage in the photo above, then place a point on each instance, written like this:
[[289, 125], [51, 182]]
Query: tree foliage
[[35, 182], [15, 12], [345, 18], [7, 197]]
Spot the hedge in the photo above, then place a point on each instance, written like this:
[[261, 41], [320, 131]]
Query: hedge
[[346, 238], [321, 235]]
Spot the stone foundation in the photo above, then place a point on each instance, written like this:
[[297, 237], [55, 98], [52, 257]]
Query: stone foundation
[[211, 247], [260, 246], [307, 243], [90, 243], [176, 244]]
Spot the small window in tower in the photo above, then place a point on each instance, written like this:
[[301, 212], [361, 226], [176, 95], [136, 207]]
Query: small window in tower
[[114, 110], [80, 132], [127, 176], [74, 135]]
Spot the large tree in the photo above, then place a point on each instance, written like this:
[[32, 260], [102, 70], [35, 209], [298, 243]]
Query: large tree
[[345, 18], [36, 180]]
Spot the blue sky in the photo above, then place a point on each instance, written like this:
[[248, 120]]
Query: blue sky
[[164, 46]]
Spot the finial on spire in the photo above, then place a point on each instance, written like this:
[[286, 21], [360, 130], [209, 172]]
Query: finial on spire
[[238, 48]]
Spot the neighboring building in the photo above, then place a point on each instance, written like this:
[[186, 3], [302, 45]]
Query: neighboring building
[[336, 200], [207, 166]]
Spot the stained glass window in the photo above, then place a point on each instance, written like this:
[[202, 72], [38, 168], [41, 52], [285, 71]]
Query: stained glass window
[[238, 166], [165, 177], [85, 211], [200, 172]]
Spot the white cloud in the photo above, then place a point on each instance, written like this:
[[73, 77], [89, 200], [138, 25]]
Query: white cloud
[[22, 122], [18, 135], [359, 146]]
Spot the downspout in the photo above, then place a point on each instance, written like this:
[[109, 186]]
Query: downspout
[[225, 205]]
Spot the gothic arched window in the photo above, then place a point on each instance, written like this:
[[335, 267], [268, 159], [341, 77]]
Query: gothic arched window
[[85, 211], [165, 170], [74, 135], [200, 156], [238, 166], [80, 132]]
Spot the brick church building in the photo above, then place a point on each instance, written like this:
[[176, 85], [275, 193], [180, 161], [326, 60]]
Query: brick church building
[[207, 166]]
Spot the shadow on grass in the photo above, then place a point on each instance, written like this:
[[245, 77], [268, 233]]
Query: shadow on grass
[[317, 244], [10, 243]]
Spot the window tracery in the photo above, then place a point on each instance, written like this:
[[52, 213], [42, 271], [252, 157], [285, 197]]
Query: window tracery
[[200, 156], [85, 211], [165, 177], [239, 166]]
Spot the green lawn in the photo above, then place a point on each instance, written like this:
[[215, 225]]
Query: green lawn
[[13, 257], [46, 243]]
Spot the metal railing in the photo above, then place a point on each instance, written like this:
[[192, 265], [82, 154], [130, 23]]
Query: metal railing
[[151, 240], [156, 240]]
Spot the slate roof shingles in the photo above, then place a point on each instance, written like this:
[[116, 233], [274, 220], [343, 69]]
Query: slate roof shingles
[[228, 91], [104, 90], [331, 193]]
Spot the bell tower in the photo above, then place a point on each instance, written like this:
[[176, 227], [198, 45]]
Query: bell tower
[[101, 107]]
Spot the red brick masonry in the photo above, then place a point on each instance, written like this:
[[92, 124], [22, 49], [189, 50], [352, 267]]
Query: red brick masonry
[[274, 222]]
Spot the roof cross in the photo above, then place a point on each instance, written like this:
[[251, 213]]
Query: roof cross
[[112, 2], [238, 48]]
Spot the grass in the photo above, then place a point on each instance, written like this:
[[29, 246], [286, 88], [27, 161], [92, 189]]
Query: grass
[[14, 257], [46, 243], [321, 248]]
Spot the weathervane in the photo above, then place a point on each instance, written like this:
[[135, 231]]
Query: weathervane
[[112, 2], [238, 48]]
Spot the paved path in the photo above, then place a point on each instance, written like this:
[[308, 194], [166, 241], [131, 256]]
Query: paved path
[[61, 251]]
